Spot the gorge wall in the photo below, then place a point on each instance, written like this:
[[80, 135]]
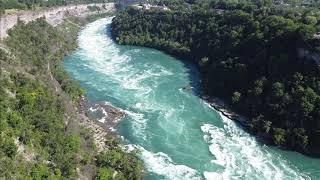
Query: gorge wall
[[54, 16]]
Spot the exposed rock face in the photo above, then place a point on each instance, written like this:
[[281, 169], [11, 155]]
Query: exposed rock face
[[54, 16], [106, 115], [101, 119]]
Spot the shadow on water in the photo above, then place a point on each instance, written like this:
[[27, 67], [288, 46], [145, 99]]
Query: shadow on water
[[193, 75], [195, 87]]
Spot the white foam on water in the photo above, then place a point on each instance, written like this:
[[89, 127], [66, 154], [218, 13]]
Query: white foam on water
[[213, 176], [238, 154], [138, 117], [117, 67], [157, 71], [95, 45], [145, 106], [137, 50], [161, 164], [139, 123], [129, 147], [242, 157], [133, 81], [112, 129], [105, 116], [93, 109], [138, 105], [103, 111]]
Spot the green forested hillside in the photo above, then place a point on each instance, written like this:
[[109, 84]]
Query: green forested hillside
[[27, 4], [40, 134], [248, 52]]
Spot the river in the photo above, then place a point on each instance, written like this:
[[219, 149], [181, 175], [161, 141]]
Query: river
[[180, 136]]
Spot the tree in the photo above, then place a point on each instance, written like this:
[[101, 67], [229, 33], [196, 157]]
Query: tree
[[301, 139], [279, 136], [246, 52], [236, 97], [258, 87], [203, 61], [8, 147], [311, 20], [306, 31], [295, 3], [15, 120], [278, 89], [267, 126], [40, 172], [104, 174]]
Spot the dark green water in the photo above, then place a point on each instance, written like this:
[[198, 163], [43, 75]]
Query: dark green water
[[179, 135]]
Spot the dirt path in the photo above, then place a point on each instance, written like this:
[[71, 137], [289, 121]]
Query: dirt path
[[54, 16]]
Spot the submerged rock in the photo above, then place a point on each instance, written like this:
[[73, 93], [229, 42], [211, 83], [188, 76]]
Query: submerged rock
[[188, 88]]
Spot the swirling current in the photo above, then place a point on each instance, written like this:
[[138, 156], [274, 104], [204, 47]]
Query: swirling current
[[180, 136]]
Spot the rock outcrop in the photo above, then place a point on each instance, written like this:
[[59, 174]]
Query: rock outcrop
[[54, 16]]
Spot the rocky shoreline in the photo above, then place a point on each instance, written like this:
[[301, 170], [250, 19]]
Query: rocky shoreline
[[225, 110], [101, 119]]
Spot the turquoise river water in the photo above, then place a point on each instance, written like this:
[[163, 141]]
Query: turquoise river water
[[180, 136]]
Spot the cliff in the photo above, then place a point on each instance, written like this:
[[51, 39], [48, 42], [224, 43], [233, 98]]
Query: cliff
[[54, 16]]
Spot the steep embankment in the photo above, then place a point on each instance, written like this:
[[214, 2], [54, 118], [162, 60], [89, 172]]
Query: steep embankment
[[54, 16], [44, 133]]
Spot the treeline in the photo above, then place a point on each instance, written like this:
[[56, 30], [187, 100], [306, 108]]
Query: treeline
[[250, 56], [185, 3], [40, 134], [28, 4]]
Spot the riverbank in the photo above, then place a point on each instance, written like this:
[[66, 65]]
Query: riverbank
[[272, 102], [178, 134], [42, 101], [101, 119], [227, 111], [54, 16], [220, 106]]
